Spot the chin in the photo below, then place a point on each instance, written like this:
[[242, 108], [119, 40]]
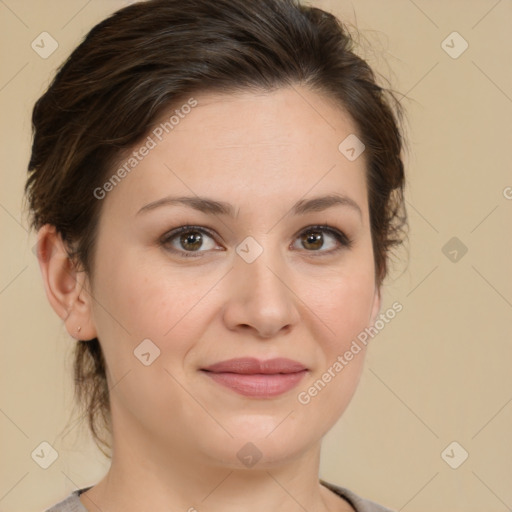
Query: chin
[[260, 445]]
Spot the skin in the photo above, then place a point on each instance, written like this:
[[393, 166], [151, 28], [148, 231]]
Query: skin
[[176, 433]]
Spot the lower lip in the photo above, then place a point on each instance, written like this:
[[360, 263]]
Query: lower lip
[[258, 385]]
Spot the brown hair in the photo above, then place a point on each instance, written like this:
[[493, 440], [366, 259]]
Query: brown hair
[[134, 66]]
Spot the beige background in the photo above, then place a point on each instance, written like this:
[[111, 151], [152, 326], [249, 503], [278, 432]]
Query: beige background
[[438, 373]]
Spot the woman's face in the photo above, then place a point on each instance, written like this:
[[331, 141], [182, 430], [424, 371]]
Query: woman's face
[[256, 281]]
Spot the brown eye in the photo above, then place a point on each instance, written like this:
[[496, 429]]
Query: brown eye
[[316, 238], [312, 240], [191, 241], [188, 240]]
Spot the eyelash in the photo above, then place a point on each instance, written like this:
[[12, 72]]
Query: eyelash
[[344, 241]]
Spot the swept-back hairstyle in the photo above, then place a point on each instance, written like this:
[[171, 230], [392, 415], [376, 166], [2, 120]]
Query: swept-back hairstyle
[[146, 58]]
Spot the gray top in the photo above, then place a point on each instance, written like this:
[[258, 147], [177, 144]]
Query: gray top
[[73, 504]]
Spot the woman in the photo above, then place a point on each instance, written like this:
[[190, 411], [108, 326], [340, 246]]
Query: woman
[[216, 188]]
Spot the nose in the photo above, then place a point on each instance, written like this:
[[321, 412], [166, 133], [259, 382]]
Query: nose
[[261, 297]]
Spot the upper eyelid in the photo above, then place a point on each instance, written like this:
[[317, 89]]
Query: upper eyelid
[[186, 228]]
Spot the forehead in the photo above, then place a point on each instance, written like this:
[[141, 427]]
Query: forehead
[[248, 146], [290, 115]]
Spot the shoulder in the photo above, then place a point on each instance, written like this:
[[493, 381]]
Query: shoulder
[[71, 504], [359, 504]]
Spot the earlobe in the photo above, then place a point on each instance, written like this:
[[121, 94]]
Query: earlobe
[[65, 286]]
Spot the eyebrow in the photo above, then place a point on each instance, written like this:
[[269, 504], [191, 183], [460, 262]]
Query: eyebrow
[[210, 206]]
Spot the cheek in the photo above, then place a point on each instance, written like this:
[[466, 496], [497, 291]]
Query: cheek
[[151, 300], [343, 305], [344, 310], [355, 300]]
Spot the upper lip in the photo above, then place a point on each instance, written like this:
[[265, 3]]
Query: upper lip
[[251, 365]]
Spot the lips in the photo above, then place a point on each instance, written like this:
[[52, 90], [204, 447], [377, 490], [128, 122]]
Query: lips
[[251, 365], [258, 379]]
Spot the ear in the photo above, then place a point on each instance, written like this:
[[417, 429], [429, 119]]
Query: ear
[[67, 288], [375, 306]]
